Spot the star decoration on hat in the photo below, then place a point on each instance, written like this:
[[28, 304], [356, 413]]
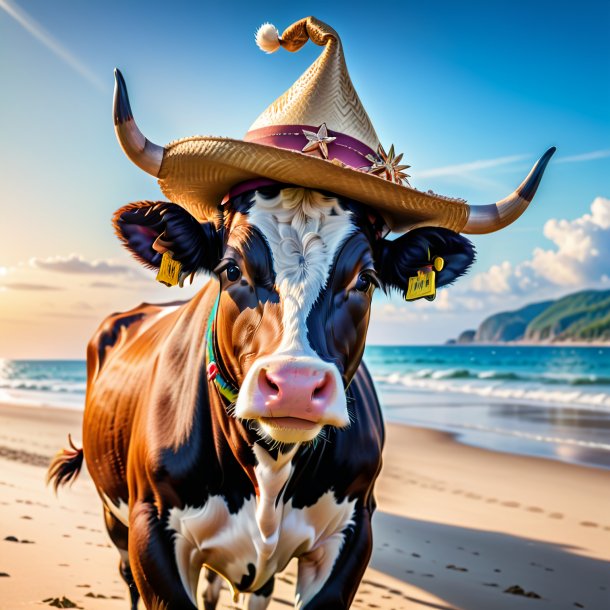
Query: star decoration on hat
[[318, 141], [385, 165]]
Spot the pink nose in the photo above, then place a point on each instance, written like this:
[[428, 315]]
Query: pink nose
[[296, 390]]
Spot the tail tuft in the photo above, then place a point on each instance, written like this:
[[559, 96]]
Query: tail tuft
[[65, 466]]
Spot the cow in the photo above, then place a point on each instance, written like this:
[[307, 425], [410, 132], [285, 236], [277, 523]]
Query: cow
[[191, 475], [241, 429]]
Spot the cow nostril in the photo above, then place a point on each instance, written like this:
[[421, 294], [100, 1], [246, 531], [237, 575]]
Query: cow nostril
[[321, 389], [267, 384]]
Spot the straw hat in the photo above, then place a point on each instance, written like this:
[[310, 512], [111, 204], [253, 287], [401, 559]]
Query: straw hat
[[316, 135]]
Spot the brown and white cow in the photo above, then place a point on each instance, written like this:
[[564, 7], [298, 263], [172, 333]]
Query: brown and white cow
[[190, 478]]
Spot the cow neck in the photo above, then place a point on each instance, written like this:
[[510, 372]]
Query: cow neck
[[214, 367]]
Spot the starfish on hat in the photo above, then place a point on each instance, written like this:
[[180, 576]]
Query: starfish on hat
[[318, 141], [386, 166]]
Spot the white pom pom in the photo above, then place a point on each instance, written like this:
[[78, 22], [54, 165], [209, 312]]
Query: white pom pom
[[268, 38]]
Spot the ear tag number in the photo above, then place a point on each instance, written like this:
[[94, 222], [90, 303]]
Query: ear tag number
[[169, 270], [423, 285]]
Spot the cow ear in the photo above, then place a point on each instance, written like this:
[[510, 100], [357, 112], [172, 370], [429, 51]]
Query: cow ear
[[401, 258], [150, 228]]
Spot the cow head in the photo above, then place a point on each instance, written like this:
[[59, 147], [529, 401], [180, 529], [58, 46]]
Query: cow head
[[297, 270]]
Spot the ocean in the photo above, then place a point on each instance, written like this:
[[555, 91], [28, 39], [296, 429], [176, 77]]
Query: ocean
[[544, 401]]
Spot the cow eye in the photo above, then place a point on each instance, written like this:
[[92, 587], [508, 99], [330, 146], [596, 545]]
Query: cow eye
[[233, 273], [365, 283]]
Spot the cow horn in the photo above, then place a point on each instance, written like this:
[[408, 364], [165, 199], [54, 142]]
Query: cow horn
[[137, 147], [496, 216]]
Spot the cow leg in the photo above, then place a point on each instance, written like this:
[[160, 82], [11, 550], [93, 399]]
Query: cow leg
[[119, 535], [213, 587], [153, 561], [329, 576], [260, 600]]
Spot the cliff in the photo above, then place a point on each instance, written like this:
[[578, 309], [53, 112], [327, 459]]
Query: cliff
[[579, 317]]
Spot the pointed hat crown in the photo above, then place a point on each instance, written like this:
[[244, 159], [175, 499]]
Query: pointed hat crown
[[324, 93]]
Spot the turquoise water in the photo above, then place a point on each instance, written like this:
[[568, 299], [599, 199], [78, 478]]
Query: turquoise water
[[549, 375], [546, 401]]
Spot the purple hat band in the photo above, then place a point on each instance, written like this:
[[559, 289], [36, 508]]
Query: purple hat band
[[344, 148]]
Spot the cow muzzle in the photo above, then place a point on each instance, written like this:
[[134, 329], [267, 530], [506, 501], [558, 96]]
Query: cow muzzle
[[293, 397]]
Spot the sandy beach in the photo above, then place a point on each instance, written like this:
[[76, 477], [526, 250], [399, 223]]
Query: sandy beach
[[457, 527]]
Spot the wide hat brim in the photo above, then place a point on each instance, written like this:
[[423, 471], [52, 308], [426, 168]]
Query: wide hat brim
[[198, 172]]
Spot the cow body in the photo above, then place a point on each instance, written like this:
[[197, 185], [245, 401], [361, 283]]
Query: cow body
[[240, 429]]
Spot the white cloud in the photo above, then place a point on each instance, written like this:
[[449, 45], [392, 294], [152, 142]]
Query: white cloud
[[471, 166], [77, 264], [494, 280], [30, 286], [589, 156], [580, 258]]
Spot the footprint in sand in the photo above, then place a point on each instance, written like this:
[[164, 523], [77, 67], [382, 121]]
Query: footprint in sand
[[534, 509], [556, 516], [589, 524], [511, 504], [452, 566]]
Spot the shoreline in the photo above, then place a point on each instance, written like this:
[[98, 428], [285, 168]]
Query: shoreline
[[468, 417], [528, 344]]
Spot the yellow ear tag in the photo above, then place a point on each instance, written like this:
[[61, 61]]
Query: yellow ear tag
[[423, 285], [169, 270]]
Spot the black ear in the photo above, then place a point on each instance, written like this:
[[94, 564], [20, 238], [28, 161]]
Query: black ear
[[402, 258], [150, 228]]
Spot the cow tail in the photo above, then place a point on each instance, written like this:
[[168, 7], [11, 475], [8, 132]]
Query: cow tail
[[65, 466]]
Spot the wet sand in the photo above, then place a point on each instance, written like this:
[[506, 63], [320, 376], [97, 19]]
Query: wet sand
[[457, 527]]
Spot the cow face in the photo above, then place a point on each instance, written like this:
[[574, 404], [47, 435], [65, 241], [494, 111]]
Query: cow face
[[297, 272]]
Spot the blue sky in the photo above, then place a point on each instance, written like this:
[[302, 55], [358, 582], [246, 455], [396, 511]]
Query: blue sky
[[472, 92]]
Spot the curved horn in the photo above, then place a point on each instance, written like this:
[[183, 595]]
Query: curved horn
[[142, 152], [496, 216]]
